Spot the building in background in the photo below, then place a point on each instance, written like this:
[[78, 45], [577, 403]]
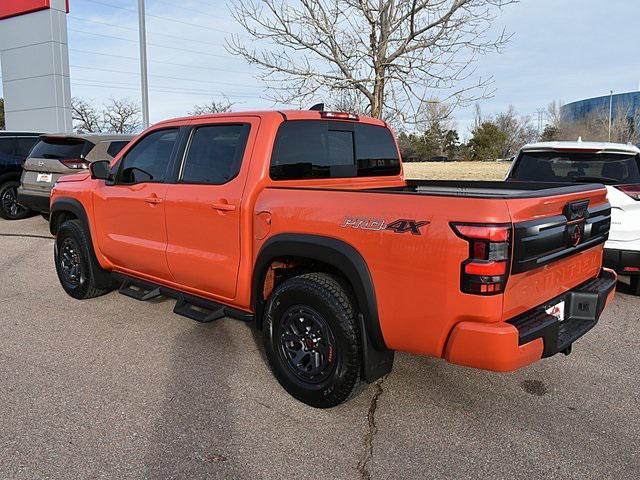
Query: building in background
[[35, 65], [621, 104]]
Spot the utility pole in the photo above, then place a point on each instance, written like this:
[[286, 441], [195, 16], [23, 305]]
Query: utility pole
[[610, 114], [143, 63]]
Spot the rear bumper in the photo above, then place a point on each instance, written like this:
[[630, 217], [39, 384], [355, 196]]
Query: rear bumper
[[507, 346], [35, 201], [624, 262]]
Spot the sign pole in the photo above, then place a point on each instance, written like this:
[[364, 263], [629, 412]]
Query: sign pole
[[143, 64]]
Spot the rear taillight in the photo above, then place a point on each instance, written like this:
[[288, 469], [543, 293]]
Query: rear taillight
[[486, 270], [75, 163], [632, 190]]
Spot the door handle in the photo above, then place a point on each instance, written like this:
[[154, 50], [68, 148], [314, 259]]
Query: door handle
[[223, 207], [153, 200]]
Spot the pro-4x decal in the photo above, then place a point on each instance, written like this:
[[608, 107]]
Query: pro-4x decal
[[407, 226], [397, 226]]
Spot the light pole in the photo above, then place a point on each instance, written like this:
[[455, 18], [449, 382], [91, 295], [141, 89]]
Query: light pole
[[143, 64], [610, 114]]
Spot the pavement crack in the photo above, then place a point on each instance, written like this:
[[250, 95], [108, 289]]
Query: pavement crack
[[372, 430]]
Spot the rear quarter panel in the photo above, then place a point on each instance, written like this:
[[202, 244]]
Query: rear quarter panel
[[416, 277]]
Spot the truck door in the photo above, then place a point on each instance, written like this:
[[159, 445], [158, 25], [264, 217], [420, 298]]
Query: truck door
[[131, 211], [203, 206]]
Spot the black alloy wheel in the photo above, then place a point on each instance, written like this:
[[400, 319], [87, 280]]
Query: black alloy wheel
[[10, 209], [307, 345], [71, 263]]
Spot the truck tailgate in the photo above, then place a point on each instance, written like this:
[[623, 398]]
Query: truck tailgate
[[557, 245]]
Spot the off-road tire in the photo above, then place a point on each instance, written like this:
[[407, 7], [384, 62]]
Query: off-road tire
[[10, 188], [331, 301], [73, 246]]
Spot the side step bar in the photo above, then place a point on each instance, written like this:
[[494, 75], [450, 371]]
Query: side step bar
[[199, 309], [202, 314], [139, 291]]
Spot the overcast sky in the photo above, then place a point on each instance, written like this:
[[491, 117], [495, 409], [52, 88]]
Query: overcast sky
[[561, 49]]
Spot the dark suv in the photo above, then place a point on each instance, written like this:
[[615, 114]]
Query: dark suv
[[14, 149]]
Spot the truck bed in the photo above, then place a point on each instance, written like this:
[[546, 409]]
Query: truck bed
[[487, 189]]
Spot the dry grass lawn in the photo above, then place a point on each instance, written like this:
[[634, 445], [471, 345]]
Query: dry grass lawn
[[456, 170]]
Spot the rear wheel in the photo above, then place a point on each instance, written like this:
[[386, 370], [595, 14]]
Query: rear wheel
[[75, 264], [312, 340], [635, 285], [10, 209]]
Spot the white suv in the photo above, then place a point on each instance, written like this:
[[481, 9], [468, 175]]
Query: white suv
[[615, 165]]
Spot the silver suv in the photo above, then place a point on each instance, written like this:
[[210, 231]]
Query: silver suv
[[57, 155]]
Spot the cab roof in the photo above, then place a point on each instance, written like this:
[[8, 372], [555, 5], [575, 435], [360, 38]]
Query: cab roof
[[591, 147], [284, 114]]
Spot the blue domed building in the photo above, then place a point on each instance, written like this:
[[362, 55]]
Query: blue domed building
[[628, 103]]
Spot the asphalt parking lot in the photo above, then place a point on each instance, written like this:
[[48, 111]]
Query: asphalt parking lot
[[114, 388]]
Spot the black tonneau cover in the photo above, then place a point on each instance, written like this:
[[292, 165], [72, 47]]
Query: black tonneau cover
[[482, 189]]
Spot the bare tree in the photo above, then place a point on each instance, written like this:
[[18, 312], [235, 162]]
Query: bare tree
[[393, 54], [2, 123], [518, 131], [216, 106], [86, 118], [554, 114], [121, 116]]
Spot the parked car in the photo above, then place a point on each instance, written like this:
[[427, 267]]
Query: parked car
[[57, 155], [615, 165], [303, 222], [14, 149]]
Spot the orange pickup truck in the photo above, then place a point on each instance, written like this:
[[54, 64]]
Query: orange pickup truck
[[303, 222]]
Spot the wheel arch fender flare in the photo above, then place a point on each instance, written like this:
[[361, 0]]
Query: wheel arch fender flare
[[377, 358], [71, 205], [341, 256]]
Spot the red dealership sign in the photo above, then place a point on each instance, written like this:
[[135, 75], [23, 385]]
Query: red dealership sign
[[14, 8]]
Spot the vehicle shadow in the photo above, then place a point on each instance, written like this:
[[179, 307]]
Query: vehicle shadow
[[194, 431], [624, 285]]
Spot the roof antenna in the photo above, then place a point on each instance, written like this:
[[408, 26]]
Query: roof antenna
[[318, 107]]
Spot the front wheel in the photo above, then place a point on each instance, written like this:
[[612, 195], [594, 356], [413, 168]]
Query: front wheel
[[10, 209], [75, 265], [312, 340], [635, 285]]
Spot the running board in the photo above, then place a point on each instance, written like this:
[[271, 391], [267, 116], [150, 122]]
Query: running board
[[199, 313], [139, 290], [199, 309]]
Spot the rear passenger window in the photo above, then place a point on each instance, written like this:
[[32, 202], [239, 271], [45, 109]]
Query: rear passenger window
[[331, 149], [149, 159], [116, 147], [215, 154]]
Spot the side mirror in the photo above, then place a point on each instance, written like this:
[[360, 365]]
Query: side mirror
[[100, 170]]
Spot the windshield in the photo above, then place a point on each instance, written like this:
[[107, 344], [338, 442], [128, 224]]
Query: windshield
[[577, 167], [61, 148]]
